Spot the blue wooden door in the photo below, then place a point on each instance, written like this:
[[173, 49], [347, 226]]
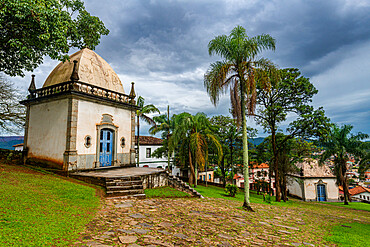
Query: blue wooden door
[[321, 193], [106, 145]]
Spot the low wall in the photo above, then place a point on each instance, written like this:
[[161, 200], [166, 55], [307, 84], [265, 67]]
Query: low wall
[[178, 184], [154, 180]]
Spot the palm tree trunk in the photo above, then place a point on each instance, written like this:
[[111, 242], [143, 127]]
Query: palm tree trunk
[[191, 169], [138, 142], [344, 182], [276, 168], [196, 175], [246, 204], [168, 137]]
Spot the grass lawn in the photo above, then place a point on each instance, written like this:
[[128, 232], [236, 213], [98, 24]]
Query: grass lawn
[[218, 192], [352, 205], [165, 192], [39, 209], [348, 234], [353, 234]]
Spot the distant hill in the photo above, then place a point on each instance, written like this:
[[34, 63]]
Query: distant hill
[[256, 141], [7, 142]]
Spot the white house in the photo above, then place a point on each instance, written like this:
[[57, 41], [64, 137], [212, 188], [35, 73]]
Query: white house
[[148, 144], [18, 147], [81, 118], [313, 182], [360, 193]]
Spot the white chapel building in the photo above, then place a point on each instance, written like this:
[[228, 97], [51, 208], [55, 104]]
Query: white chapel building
[[81, 118]]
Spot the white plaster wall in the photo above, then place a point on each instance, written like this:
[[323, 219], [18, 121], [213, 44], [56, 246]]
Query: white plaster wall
[[90, 114], [176, 171], [143, 160], [294, 187], [332, 189], [47, 130], [366, 194]]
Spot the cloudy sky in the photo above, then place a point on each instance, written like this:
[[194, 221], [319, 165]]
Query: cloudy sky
[[162, 47]]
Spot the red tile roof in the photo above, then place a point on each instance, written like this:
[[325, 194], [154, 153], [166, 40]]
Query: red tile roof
[[149, 140], [358, 190], [18, 145]]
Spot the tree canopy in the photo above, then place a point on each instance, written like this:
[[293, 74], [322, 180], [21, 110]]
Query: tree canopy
[[292, 94], [31, 30]]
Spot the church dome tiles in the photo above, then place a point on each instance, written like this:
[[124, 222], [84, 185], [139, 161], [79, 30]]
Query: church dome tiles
[[91, 69]]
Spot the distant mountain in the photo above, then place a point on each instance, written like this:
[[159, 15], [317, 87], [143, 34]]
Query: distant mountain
[[7, 142], [256, 141]]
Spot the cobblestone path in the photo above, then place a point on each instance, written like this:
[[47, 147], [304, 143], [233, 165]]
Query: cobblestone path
[[210, 222]]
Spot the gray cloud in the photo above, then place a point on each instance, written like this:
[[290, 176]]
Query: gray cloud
[[162, 46]]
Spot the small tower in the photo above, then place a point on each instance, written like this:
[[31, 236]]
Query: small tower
[[81, 118]]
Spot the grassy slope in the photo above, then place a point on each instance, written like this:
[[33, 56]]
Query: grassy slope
[[355, 234], [42, 210]]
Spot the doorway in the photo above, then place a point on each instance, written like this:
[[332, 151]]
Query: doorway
[[106, 146], [321, 193]]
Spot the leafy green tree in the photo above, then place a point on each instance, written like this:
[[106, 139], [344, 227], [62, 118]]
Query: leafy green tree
[[192, 136], [237, 72], [341, 143], [291, 151], [230, 138], [292, 95], [31, 30], [12, 114], [142, 114]]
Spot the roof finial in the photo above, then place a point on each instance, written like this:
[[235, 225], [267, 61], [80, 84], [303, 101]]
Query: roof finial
[[32, 87], [132, 93], [74, 76]]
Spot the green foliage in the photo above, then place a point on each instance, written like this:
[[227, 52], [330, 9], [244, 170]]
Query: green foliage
[[31, 30], [42, 210], [351, 235], [191, 137], [231, 189], [267, 198], [165, 192]]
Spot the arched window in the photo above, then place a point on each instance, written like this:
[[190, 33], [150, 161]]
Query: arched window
[[123, 142], [87, 141]]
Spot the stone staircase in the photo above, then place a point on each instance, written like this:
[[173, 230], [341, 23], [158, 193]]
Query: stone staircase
[[125, 187]]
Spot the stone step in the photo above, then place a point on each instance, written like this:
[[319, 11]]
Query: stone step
[[123, 179], [136, 196], [125, 183], [124, 192], [125, 187]]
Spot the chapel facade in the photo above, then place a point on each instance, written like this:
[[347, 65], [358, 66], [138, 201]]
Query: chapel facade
[[81, 118]]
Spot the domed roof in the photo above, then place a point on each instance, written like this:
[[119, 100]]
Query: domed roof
[[91, 69]]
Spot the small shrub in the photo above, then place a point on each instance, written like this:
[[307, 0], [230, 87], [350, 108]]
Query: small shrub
[[267, 198], [231, 189]]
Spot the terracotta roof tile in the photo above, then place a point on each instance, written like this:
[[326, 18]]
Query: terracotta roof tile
[[357, 190], [149, 140]]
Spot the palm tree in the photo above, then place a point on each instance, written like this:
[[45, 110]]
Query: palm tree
[[192, 135], [239, 71], [142, 114], [165, 125], [341, 144]]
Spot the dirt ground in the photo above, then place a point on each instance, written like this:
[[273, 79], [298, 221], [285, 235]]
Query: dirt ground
[[211, 222]]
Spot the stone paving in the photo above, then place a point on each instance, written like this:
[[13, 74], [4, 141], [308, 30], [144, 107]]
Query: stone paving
[[208, 222]]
